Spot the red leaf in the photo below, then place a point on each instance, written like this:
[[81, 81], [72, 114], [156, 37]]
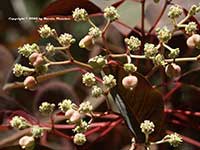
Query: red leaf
[[142, 103], [65, 7]]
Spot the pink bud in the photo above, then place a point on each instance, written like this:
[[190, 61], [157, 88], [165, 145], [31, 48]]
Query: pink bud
[[86, 42], [130, 82], [39, 60], [76, 116], [33, 57], [30, 82], [26, 142], [69, 113], [172, 70], [193, 40]]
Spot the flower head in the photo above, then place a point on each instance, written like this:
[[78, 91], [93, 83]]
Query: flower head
[[85, 107], [150, 50], [45, 31], [174, 53], [147, 127], [28, 49], [109, 81], [89, 79], [66, 39], [96, 91], [95, 32], [133, 43], [111, 13], [19, 122], [65, 105], [37, 131], [80, 14], [173, 139], [130, 67], [79, 139], [81, 127], [97, 62], [46, 108], [159, 60], [175, 11], [191, 28], [163, 34]]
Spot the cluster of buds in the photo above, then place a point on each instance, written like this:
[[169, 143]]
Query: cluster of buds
[[89, 79], [65, 105], [172, 70], [173, 139], [46, 32], [97, 62], [80, 14], [109, 81], [95, 32], [85, 107], [28, 49], [50, 48], [19, 70], [111, 13], [147, 127], [130, 68], [79, 139], [81, 127], [96, 91], [66, 39], [150, 50], [19, 122], [194, 10], [175, 11], [37, 131], [46, 108], [133, 43], [194, 41], [163, 34], [159, 60], [191, 28], [174, 53]]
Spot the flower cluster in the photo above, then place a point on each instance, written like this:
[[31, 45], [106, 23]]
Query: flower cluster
[[46, 32], [46, 108], [164, 34], [173, 139], [97, 62], [150, 50], [111, 13], [175, 11], [66, 39], [133, 43], [28, 49], [80, 14]]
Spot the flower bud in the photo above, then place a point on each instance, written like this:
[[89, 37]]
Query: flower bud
[[130, 67], [173, 139], [37, 131], [46, 108], [19, 122], [133, 43], [86, 42], [194, 41], [109, 81], [39, 60], [33, 57], [30, 82], [147, 127], [69, 113], [76, 116], [89, 79], [66, 39], [79, 139], [130, 82], [65, 105], [172, 70], [27, 142], [111, 13], [96, 91], [80, 14], [85, 107]]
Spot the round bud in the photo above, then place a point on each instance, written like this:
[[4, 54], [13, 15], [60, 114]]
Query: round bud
[[33, 57], [76, 116], [69, 113], [39, 60], [172, 70], [30, 82], [26, 142], [130, 82], [86, 42], [193, 41], [190, 42]]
